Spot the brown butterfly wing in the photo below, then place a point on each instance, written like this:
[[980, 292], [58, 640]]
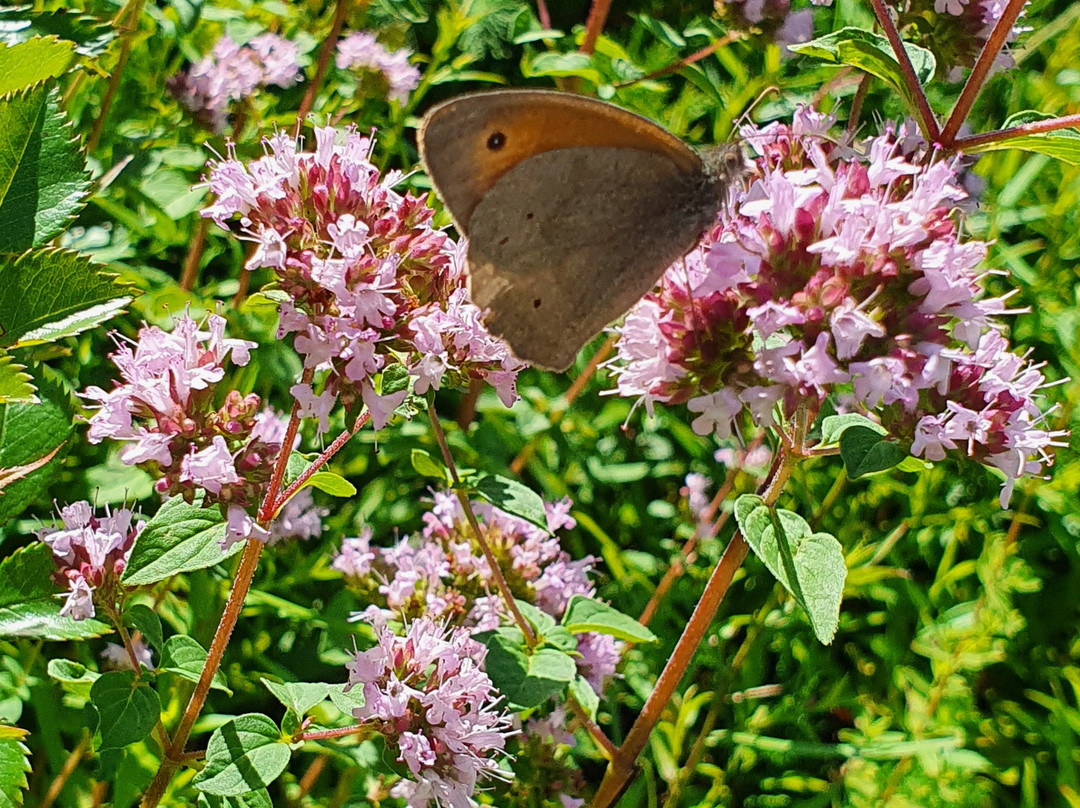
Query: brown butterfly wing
[[469, 142], [567, 241]]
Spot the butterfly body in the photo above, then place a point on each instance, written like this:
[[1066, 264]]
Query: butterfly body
[[573, 209]]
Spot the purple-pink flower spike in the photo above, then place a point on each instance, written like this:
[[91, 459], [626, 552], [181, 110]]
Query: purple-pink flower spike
[[371, 283], [840, 272]]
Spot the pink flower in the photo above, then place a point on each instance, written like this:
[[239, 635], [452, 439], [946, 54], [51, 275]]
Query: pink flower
[[360, 50], [428, 695], [91, 553], [835, 272]]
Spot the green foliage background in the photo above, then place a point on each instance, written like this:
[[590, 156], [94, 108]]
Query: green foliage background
[[954, 678]]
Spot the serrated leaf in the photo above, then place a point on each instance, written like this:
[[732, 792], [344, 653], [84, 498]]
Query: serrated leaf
[[28, 63], [330, 483], [583, 693], [29, 432], [141, 617], [43, 178], [833, 427], [244, 754], [588, 614], [872, 54], [425, 465], [298, 696], [72, 676], [184, 656], [15, 384], [14, 765], [866, 451], [513, 497], [30, 602], [252, 799], [526, 679], [127, 707], [1061, 144], [180, 538], [91, 37], [809, 565], [46, 295]]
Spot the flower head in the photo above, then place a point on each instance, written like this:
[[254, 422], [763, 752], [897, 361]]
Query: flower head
[[361, 51], [838, 271]]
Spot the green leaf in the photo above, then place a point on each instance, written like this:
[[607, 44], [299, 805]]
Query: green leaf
[[72, 676], [30, 602], [573, 63], [298, 696], [513, 497], [526, 679], [252, 799], [809, 565], [141, 617], [244, 754], [583, 693], [184, 656], [180, 538], [43, 179], [329, 483], [347, 700], [29, 433], [1061, 144], [127, 708], [46, 295], [15, 382], [28, 63], [872, 54], [14, 765], [865, 451], [833, 427], [425, 465], [90, 36], [588, 614]]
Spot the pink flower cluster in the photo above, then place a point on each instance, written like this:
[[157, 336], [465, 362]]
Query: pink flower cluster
[[370, 283], [841, 272], [91, 553], [427, 693], [361, 51], [164, 410], [232, 72], [444, 574]]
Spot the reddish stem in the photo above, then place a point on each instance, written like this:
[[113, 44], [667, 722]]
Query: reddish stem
[[190, 273], [321, 461], [268, 509], [327, 51], [981, 70], [926, 115], [543, 15], [595, 24], [1033, 128]]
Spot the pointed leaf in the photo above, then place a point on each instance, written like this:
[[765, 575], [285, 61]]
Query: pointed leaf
[[30, 602], [43, 179], [184, 656], [514, 498], [244, 754], [526, 679], [28, 63], [809, 565], [329, 483], [872, 54], [866, 451], [127, 708], [14, 765], [146, 621], [588, 614], [298, 696], [252, 799], [91, 36], [425, 465], [46, 295], [347, 700], [1061, 144], [582, 691], [180, 538], [834, 426]]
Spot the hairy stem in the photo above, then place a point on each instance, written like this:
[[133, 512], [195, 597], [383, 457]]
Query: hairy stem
[[922, 106]]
